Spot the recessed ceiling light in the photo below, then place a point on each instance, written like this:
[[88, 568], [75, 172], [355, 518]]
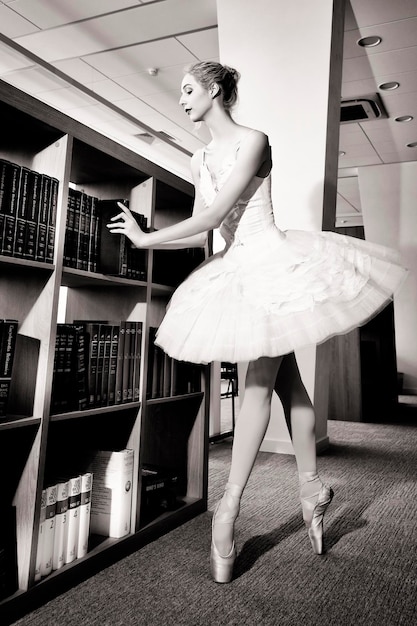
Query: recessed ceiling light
[[341, 153], [412, 144], [389, 86], [404, 118], [369, 42]]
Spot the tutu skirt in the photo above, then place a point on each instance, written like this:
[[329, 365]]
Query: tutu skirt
[[279, 292]]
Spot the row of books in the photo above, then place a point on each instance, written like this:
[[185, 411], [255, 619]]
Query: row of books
[[8, 335], [90, 246], [168, 377], [28, 206], [64, 524], [97, 501], [97, 363]]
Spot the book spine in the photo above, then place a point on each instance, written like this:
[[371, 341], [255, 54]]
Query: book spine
[[120, 363], [49, 534], [43, 218], [39, 549], [69, 229], [21, 215], [61, 525], [51, 224], [74, 501], [85, 513], [33, 202], [81, 365], [137, 361], [9, 204], [93, 331], [111, 391], [8, 337]]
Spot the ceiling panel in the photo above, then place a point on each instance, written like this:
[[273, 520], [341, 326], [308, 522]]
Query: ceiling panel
[[204, 45], [50, 13], [393, 62], [139, 58], [394, 35], [369, 12], [14, 25], [144, 22]]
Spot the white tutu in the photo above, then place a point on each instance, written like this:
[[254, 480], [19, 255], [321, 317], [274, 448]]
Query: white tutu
[[271, 292]]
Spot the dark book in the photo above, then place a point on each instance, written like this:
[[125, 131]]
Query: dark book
[[137, 360], [69, 245], [42, 225], [127, 382], [51, 223], [93, 235], [114, 347], [115, 251], [81, 364], [21, 213], [107, 332], [93, 332], [120, 363], [34, 185], [9, 195], [8, 337]]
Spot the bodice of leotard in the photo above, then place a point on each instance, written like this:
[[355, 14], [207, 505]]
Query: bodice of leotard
[[252, 214]]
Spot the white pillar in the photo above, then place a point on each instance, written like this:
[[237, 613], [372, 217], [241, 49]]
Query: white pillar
[[289, 55]]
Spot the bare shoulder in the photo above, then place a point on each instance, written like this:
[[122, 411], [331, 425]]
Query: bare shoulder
[[254, 138]]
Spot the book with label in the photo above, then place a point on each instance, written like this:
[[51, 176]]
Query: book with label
[[61, 524], [112, 492], [49, 532], [8, 338], [85, 513], [74, 502]]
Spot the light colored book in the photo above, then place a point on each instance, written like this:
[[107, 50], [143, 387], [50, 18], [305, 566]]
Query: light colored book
[[61, 525], [49, 532], [111, 502], [42, 522], [74, 501], [85, 513]]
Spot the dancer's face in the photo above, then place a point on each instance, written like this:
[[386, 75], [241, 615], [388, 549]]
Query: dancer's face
[[195, 99]]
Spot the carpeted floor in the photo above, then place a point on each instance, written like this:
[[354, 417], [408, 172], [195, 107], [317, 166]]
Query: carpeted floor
[[367, 576]]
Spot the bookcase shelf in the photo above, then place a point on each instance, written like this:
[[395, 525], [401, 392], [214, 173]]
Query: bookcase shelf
[[101, 410], [168, 435], [72, 277]]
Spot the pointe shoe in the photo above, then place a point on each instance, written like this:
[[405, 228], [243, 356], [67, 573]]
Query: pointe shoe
[[313, 517], [221, 567]]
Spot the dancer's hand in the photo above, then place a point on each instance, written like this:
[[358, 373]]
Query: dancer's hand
[[125, 224]]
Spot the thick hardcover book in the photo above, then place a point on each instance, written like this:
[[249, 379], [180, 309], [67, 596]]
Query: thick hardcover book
[[69, 248], [9, 197], [74, 502], [112, 492], [42, 227], [93, 235], [51, 223], [114, 348], [34, 188], [85, 513], [61, 524], [93, 332], [8, 336], [21, 214], [49, 534], [81, 365], [120, 363], [39, 549], [137, 359], [115, 252], [107, 332]]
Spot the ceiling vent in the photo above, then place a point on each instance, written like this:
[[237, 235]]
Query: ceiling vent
[[362, 109]]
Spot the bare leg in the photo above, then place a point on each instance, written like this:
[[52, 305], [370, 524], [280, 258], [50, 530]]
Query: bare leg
[[250, 430], [300, 418]]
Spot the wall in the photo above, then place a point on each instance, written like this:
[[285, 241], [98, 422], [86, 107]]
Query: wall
[[389, 204]]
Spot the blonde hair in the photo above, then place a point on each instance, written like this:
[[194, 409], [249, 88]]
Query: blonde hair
[[209, 72]]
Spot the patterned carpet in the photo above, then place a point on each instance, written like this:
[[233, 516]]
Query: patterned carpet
[[367, 576]]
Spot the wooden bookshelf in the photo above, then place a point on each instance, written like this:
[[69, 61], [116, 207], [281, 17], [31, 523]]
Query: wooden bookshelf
[[42, 295]]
